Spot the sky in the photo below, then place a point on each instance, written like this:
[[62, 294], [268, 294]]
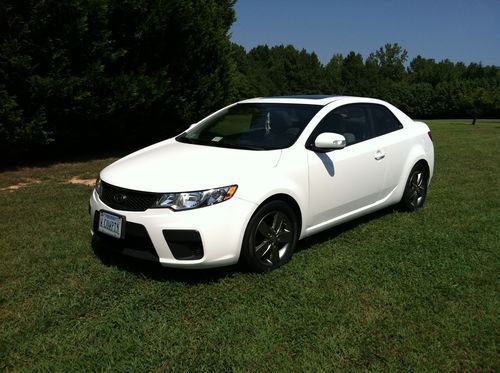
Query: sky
[[460, 30]]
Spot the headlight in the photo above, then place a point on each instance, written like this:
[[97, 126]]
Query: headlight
[[192, 200], [98, 186]]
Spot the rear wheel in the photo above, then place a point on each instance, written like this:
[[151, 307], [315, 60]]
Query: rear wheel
[[416, 188], [270, 237]]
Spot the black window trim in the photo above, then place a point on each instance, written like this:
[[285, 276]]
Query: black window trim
[[367, 106], [393, 115], [310, 140]]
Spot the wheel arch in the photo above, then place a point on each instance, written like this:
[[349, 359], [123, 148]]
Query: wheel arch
[[249, 258], [423, 162], [407, 170], [406, 203], [417, 154], [291, 202]]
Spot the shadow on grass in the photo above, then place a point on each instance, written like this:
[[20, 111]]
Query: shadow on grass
[[111, 256], [336, 231]]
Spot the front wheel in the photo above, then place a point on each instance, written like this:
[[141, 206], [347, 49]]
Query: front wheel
[[270, 237], [415, 189]]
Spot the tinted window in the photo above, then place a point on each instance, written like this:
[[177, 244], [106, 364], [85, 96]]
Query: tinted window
[[253, 126], [384, 120], [352, 121]]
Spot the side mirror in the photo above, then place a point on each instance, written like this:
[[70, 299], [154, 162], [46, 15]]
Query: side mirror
[[329, 141]]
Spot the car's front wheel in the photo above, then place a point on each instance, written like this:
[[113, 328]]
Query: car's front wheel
[[416, 188], [270, 237]]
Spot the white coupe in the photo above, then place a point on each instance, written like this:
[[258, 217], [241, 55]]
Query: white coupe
[[247, 182]]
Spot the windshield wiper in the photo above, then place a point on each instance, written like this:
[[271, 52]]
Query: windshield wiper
[[185, 139], [240, 146]]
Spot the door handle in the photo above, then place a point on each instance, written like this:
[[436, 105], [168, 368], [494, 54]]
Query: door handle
[[379, 155]]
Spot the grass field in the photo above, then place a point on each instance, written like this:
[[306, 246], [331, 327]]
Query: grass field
[[391, 291]]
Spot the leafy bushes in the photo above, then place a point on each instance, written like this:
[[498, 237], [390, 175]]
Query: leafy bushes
[[109, 73]]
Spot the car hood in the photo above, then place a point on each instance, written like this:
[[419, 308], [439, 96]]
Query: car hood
[[172, 166]]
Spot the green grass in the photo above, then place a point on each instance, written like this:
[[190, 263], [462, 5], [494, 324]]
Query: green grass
[[391, 291]]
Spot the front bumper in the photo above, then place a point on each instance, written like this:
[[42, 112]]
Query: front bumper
[[220, 229]]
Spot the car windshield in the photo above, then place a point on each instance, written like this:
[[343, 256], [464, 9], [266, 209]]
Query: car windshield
[[256, 126]]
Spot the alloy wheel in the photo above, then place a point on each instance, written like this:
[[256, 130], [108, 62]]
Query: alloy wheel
[[273, 236], [418, 186]]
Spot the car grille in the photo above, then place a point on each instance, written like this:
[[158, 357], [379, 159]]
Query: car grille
[[126, 199]]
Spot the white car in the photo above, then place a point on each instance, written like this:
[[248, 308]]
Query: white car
[[250, 180]]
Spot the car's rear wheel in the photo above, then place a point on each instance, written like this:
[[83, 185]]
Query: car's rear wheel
[[270, 237], [416, 188]]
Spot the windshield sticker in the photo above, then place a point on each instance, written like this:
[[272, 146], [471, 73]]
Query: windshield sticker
[[217, 138]]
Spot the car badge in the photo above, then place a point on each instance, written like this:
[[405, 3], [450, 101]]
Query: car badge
[[119, 198]]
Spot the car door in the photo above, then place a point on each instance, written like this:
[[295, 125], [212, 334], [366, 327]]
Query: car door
[[345, 181], [394, 143]]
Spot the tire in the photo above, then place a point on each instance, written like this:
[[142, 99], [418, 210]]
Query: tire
[[415, 189], [270, 237]]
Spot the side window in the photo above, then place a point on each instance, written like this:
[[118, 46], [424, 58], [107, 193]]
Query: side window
[[352, 121], [384, 121]]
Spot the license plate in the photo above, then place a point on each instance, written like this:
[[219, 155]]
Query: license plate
[[110, 224]]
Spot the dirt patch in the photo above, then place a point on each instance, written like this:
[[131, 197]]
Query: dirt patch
[[22, 184], [77, 180]]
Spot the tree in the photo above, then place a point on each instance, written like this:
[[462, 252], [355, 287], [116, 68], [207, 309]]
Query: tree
[[391, 60], [353, 74], [242, 76], [333, 75], [111, 72], [477, 100], [283, 70], [423, 70]]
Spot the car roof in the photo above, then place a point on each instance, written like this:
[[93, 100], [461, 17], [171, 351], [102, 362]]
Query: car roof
[[321, 100]]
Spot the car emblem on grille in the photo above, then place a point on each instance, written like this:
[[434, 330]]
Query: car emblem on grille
[[119, 198]]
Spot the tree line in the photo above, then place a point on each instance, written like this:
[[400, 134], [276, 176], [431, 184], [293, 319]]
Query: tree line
[[79, 75], [423, 88]]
